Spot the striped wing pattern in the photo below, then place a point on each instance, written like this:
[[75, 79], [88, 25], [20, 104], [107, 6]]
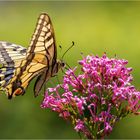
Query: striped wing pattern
[[11, 56], [20, 66]]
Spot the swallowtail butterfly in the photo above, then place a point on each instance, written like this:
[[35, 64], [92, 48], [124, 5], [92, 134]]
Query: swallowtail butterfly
[[18, 65]]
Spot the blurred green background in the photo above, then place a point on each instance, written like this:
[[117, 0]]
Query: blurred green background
[[95, 27]]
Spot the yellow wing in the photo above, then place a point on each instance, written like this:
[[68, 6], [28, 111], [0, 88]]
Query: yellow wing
[[39, 59], [43, 40]]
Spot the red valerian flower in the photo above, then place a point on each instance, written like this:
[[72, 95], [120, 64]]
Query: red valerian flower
[[97, 98]]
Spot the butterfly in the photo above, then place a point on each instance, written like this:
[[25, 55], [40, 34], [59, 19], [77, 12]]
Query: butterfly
[[18, 65]]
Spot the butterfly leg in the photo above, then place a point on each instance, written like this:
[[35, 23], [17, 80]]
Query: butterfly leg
[[45, 88]]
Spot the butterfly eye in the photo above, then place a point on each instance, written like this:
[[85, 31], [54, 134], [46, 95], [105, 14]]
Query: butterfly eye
[[63, 64]]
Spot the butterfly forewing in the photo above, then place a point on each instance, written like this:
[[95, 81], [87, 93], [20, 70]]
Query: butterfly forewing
[[43, 40]]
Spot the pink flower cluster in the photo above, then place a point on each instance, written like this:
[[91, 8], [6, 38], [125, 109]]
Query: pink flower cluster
[[97, 98]]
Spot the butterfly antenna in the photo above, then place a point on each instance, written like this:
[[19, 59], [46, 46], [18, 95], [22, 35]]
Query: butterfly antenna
[[68, 49]]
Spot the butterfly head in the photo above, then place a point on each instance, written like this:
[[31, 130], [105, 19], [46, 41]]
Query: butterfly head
[[57, 66], [60, 64]]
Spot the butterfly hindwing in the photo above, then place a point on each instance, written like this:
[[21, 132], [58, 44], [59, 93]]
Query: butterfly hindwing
[[9, 54]]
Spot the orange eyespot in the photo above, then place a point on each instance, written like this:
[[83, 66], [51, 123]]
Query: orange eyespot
[[18, 92]]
